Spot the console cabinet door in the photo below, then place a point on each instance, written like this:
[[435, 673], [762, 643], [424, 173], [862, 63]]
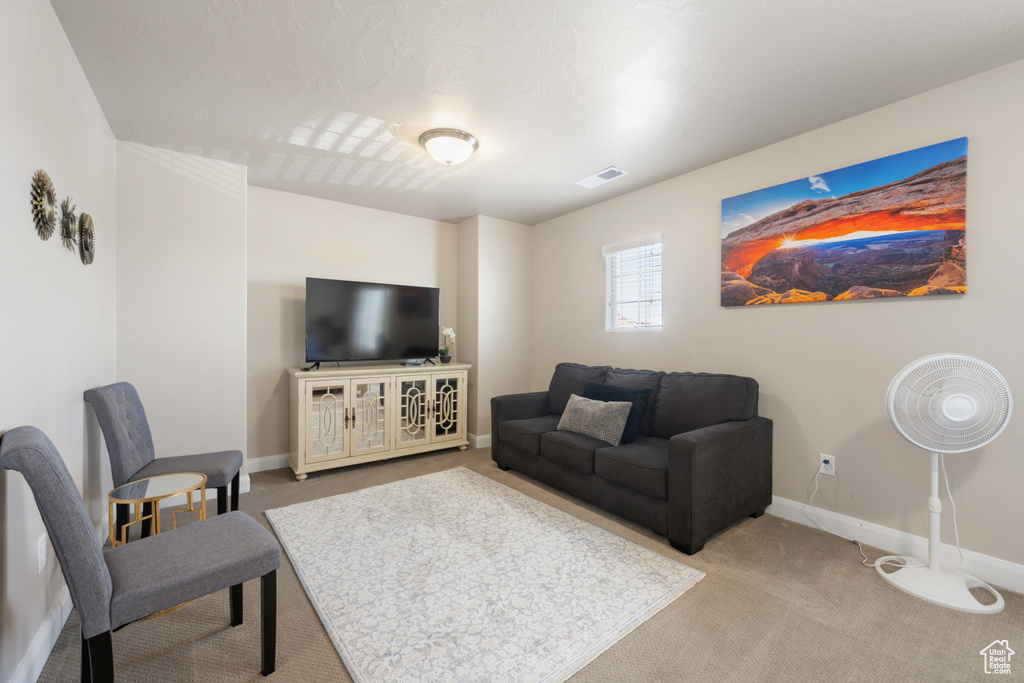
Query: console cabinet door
[[431, 409], [448, 411], [370, 416], [412, 418], [326, 430]]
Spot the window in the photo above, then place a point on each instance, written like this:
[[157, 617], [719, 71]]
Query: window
[[633, 284]]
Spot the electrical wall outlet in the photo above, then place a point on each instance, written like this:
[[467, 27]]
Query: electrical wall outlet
[[827, 465], [40, 554]]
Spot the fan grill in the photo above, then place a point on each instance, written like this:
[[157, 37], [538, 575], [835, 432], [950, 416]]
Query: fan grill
[[949, 403]]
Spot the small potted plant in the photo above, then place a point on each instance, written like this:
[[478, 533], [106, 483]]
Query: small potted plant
[[449, 343]]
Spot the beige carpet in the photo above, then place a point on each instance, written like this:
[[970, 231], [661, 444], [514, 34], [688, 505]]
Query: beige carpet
[[781, 602]]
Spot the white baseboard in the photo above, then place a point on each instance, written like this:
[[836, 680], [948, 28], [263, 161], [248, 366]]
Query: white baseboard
[[266, 462], [261, 464], [990, 569], [482, 441], [35, 659], [42, 645]]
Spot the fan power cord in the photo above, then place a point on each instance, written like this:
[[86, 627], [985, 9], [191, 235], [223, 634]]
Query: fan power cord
[[866, 562], [949, 493]]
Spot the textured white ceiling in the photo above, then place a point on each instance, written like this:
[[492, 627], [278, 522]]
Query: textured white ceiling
[[328, 98]]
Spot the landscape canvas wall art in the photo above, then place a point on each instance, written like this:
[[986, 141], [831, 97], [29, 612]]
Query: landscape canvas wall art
[[891, 227]]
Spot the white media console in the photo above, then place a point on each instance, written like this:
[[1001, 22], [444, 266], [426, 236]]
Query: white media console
[[352, 415]]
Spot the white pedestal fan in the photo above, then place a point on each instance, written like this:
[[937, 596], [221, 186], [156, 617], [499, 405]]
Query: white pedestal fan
[[946, 403]]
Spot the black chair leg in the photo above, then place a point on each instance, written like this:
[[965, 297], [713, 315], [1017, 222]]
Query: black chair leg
[[98, 659], [222, 496], [121, 518], [86, 668], [268, 621], [147, 520], [235, 603]]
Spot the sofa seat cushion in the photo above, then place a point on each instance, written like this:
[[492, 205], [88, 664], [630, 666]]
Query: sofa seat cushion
[[525, 434], [572, 450], [641, 466]]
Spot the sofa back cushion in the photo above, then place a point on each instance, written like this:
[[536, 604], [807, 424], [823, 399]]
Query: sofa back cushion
[[638, 379], [569, 379], [688, 401]]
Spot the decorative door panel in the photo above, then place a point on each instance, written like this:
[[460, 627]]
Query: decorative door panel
[[413, 412], [328, 403], [371, 428], [446, 411]]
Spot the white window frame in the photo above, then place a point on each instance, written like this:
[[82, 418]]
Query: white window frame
[[633, 284]]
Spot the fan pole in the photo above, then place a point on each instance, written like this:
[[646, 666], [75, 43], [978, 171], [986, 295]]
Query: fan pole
[[934, 517], [949, 587]]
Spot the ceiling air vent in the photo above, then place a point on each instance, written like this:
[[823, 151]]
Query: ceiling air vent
[[610, 173]]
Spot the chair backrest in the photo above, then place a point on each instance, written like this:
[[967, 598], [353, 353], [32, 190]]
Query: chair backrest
[[29, 451], [125, 429]]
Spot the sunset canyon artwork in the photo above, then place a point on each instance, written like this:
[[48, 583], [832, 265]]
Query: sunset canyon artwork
[[891, 227]]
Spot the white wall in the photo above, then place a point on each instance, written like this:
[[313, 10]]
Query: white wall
[[57, 315], [504, 314], [467, 332], [181, 296], [292, 237], [824, 368], [494, 314]]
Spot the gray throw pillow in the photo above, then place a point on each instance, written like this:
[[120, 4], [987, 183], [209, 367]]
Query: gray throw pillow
[[602, 420]]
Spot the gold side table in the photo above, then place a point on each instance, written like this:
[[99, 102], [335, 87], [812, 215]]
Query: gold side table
[[152, 490]]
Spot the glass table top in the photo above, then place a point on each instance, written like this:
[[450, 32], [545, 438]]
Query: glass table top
[[160, 486]]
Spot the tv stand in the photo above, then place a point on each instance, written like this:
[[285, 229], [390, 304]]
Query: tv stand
[[347, 416]]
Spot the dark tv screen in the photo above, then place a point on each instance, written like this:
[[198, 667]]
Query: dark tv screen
[[348, 320]]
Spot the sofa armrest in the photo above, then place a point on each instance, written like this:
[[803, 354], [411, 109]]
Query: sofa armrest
[[717, 476], [515, 407], [518, 407]]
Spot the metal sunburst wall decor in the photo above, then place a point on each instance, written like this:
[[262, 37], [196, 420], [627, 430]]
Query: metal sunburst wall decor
[[68, 225], [86, 238], [44, 204]]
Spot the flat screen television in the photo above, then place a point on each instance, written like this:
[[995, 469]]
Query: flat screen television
[[347, 321]]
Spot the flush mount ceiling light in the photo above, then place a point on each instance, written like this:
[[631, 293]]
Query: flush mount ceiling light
[[448, 145]]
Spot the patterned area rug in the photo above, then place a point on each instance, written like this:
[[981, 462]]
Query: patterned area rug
[[455, 577]]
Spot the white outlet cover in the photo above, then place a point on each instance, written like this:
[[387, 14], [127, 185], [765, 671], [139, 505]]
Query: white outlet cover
[[40, 554]]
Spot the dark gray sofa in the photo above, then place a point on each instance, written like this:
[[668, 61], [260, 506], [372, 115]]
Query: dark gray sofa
[[702, 459]]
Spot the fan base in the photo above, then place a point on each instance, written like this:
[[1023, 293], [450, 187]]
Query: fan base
[[944, 587]]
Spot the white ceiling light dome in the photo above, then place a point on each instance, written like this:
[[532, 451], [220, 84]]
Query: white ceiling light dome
[[448, 145]]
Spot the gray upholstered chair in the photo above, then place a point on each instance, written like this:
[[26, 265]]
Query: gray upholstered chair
[[130, 446], [112, 588]]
